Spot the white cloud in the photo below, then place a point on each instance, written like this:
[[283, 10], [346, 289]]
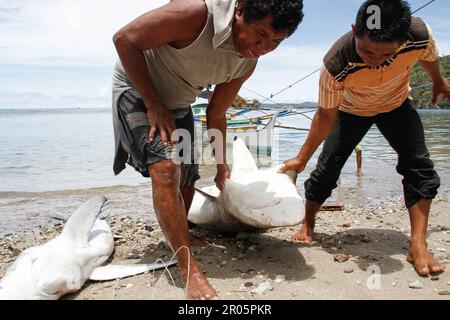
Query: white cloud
[[79, 32], [74, 31], [284, 67], [105, 91]]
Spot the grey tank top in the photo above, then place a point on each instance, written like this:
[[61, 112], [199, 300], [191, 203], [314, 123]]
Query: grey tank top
[[180, 75]]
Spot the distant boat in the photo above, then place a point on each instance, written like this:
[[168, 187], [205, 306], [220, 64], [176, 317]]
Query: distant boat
[[249, 121], [256, 130]]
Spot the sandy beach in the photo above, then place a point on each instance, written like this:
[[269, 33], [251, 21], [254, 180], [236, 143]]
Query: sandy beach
[[253, 266]]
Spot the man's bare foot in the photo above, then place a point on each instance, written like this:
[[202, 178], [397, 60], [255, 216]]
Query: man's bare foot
[[197, 286], [198, 242], [305, 235], [422, 260]]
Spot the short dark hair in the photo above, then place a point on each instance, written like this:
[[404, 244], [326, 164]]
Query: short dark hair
[[287, 14], [395, 21]]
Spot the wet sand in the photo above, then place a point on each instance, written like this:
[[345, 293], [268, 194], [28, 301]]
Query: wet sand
[[374, 238]]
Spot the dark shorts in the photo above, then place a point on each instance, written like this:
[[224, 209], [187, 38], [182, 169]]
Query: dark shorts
[[135, 129]]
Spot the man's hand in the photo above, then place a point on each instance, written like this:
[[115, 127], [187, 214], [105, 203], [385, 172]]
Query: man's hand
[[223, 173], [296, 164], [440, 87], [161, 119]]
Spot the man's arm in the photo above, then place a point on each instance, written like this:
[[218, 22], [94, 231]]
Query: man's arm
[[321, 127], [330, 95], [178, 23], [440, 83], [222, 99]]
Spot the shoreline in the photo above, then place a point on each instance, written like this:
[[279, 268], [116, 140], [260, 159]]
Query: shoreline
[[373, 238]]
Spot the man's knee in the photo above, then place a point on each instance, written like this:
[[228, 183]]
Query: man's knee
[[420, 184], [165, 172]]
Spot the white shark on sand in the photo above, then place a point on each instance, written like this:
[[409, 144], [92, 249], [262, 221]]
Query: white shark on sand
[[252, 199], [66, 262]]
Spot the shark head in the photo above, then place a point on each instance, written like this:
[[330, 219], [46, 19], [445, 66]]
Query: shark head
[[52, 276], [63, 264]]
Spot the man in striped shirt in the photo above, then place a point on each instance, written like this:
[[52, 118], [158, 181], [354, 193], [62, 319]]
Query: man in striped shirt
[[365, 81]]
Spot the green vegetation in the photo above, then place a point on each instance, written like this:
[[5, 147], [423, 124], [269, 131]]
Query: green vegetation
[[421, 84]]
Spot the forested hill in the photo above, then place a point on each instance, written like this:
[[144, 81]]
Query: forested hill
[[421, 84]]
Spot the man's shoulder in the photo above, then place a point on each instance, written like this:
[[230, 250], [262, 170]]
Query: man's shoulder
[[341, 57], [419, 36], [419, 31]]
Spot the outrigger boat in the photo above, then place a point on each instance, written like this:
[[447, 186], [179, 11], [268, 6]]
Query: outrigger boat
[[248, 121], [254, 127]]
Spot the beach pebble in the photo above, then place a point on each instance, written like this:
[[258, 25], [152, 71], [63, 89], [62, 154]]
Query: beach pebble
[[133, 256], [348, 270], [444, 293], [340, 257], [161, 244], [263, 288], [434, 278], [218, 246], [441, 250], [14, 250], [248, 284], [252, 248], [448, 283], [129, 286], [280, 278], [416, 285], [149, 228]]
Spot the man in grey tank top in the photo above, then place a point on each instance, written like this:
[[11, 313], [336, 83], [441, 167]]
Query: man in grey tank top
[[167, 57]]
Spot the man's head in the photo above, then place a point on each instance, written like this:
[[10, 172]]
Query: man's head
[[377, 43], [261, 25]]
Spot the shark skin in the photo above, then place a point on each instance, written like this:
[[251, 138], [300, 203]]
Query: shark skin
[[252, 199], [65, 263]]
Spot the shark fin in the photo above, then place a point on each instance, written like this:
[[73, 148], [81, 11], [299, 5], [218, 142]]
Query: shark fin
[[81, 222], [243, 161]]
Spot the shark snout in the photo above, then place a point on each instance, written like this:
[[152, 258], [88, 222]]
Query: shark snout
[[99, 204]]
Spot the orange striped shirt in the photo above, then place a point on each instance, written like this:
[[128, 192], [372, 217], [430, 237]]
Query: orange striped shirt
[[349, 84]]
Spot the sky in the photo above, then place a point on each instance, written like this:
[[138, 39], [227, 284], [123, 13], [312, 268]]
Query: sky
[[59, 53]]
